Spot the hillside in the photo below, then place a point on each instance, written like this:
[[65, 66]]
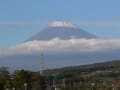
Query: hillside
[[110, 65], [98, 76]]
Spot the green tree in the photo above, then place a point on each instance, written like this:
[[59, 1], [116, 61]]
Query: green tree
[[19, 78], [38, 82], [4, 77]]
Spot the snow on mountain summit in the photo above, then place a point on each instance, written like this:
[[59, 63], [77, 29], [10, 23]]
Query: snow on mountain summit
[[62, 24]]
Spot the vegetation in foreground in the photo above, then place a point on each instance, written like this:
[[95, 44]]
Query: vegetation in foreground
[[99, 76]]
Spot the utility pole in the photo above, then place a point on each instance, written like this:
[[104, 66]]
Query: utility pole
[[63, 83]]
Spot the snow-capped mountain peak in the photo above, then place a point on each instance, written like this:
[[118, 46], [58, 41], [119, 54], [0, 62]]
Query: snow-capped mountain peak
[[62, 30]]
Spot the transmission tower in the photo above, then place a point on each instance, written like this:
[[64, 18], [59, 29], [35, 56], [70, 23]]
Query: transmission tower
[[41, 63]]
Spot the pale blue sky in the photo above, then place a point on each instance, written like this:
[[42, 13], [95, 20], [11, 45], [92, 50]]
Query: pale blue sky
[[20, 19]]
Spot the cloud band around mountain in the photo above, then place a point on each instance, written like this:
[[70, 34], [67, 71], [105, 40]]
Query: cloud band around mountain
[[63, 46]]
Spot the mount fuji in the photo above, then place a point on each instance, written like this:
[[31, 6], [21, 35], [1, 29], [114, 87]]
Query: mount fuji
[[63, 44], [62, 30]]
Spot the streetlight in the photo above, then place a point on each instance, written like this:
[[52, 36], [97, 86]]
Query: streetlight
[[7, 89], [93, 84], [113, 87], [13, 88], [12, 82], [25, 85]]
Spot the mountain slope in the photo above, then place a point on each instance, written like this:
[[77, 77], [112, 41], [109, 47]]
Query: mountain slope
[[63, 33]]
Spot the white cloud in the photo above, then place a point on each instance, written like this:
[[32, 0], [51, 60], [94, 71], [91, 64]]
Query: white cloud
[[60, 46]]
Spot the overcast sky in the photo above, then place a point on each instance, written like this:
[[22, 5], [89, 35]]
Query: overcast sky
[[20, 19]]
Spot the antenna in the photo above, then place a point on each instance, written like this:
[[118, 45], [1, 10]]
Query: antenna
[[41, 63]]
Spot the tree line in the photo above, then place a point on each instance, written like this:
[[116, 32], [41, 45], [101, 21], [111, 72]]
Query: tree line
[[21, 80]]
